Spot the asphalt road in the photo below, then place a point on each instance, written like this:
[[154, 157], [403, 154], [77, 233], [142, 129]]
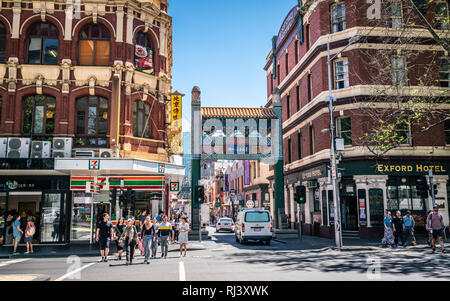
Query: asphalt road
[[222, 259]]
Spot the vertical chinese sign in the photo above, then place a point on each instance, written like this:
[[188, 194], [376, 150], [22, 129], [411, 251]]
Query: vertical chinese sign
[[175, 124]]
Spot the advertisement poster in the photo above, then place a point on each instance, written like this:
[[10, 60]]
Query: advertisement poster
[[175, 124]]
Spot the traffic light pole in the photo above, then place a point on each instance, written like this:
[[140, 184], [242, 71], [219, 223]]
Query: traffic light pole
[[433, 199]]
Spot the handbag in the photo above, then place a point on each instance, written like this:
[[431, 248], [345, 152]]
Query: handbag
[[141, 246]]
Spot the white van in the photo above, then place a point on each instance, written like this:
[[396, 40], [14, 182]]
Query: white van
[[253, 224]]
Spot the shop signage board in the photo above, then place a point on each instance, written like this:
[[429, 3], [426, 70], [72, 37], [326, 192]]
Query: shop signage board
[[408, 168], [152, 183], [174, 186], [162, 168], [314, 173], [176, 124]]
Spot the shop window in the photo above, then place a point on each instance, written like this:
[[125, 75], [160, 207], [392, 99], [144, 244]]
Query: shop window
[[444, 72], [447, 131], [94, 45], [341, 74], [2, 42], [144, 54], [441, 16], [43, 44], [39, 115], [402, 195], [141, 119], [398, 70], [344, 130], [92, 121], [338, 18], [395, 14]]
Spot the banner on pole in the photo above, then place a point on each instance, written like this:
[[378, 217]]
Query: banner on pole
[[176, 123]]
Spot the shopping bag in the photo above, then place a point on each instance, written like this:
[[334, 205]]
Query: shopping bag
[[141, 246]]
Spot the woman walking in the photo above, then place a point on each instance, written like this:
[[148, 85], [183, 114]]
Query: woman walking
[[118, 231], [29, 233], [155, 238], [148, 238], [388, 238], [129, 237], [183, 229]]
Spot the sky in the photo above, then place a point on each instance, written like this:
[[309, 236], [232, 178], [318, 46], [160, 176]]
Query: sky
[[221, 46]]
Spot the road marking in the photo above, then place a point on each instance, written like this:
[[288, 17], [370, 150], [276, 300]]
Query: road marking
[[13, 261], [74, 272], [182, 272]]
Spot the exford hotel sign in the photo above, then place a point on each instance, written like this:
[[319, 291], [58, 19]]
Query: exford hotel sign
[[412, 168], [395, 168]]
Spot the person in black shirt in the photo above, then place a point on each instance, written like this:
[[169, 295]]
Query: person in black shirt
[[148, 237], [119, 231], [105, 232], [397, 225]]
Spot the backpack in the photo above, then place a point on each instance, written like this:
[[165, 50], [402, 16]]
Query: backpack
[[31, 231]]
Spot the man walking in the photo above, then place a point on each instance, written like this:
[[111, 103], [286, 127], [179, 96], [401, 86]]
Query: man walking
[[408, 222], [105, 233], [164, 232], [437, 228], [397, 224]]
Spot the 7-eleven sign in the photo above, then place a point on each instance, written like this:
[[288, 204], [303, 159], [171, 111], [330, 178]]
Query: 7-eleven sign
[[94, 164], [161, 168], [174, 186]]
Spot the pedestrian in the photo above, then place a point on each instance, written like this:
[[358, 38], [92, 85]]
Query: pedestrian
[[409, 223], [428, 229], [437, 228], [159, 218], [17, 232], [29, 233], [118, 233], [105, 233], [388, 238], [142, 217], [173, 221], [129, 238], [148, 238], [397, 226], [155, 239], [164, 234], [183, 236]]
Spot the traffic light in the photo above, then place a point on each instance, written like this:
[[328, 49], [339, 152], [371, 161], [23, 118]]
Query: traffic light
[[200, 194], [130, 196], [113, 196], [121, 201], [435, 190], [422, 187], [300, 194]]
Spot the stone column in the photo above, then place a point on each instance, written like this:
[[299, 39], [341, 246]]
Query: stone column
[[286, 199], [292, 204], [308, 207]]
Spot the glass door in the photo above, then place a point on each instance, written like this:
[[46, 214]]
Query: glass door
[[52, 218]]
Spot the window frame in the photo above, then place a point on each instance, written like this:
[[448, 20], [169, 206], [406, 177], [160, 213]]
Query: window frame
[[395, 17], [146, 115], [42, 38], [3, 37], [341, 22], [95, 40], [32, 132], [408, 134], [345, 80], [340, 133], [299, 145], [447, 71], [447, 131], [86, 136], [396, 71], [438, 20]]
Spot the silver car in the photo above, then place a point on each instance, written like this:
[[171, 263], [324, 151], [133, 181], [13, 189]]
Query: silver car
[[225, 224]]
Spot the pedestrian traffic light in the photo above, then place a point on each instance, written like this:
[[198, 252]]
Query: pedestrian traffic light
[[422, 187], [300, 194], [113, 196], [130, 196], [435, 190], [200, 194], [121, 201]]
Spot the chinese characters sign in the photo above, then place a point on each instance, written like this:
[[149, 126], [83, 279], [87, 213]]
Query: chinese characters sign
[[175, 125]]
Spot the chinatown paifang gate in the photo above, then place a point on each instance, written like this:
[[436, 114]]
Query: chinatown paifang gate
[[220, 133]]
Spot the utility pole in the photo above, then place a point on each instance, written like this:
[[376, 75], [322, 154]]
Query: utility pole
[[433, 198]]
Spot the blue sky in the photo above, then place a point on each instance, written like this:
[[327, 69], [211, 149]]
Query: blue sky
[[221, 46]]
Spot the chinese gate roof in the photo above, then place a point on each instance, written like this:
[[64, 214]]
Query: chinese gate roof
[[261, 113]]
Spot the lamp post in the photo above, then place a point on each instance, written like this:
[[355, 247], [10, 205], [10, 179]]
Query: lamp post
[[334, 169]]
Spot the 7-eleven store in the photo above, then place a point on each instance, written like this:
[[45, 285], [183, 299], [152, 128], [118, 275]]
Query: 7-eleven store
[[91, 181]]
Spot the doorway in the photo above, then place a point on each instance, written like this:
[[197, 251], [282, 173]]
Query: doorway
[[349, 212], [26, 204]]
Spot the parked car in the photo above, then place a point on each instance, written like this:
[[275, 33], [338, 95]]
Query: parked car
[[225, 224], [253, 224]]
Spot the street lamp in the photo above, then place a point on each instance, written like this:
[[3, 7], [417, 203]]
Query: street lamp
[[330, 99]]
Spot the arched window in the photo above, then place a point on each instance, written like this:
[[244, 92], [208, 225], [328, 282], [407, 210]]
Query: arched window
[[92, 121], [39, 115], [2, 42], [94, 45], [43, 44], [141, 120], [143, 54]]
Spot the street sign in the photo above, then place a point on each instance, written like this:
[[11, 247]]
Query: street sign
[[162, 168], [250, 204], [174, 186], [94, 164]]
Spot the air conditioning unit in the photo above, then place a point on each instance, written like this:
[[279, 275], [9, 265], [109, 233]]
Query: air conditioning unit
[[84, 154], [41, 149], [62, 147], [18, 147], [311, 184], [3, 147], [106, 153]]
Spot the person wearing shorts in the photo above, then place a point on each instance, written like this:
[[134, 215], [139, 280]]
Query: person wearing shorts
[[17, 232], [105, 232], [437, 228]]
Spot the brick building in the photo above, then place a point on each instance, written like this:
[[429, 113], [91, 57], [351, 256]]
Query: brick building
[[297, 65], [82, 80]]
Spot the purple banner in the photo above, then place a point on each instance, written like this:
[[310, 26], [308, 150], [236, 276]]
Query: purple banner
[[246, 172]]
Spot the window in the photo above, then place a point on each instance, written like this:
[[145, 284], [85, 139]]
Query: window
[[341, 74], [298, 98], [338, 17], [257, 217], [447, 131], [289, 146], [141, 119], [344, 130], [402, 129], [288, 106], [441, 16], [310, 87], [444, 72], [421, 5], [307, 38], [278, 73], [287, 63], [296, 51], [92, 121], [43, 44], [395, 14], [39, 115], [398, 70], [311, 140], [143, 54], [94, 45], [402, 195], [2, 43], [299, 145]]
